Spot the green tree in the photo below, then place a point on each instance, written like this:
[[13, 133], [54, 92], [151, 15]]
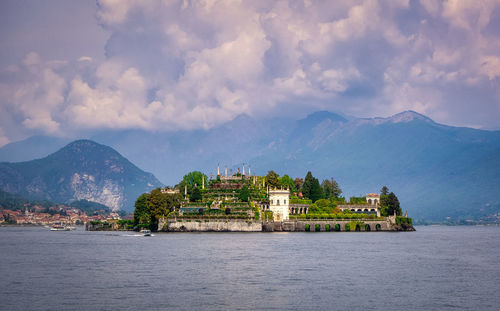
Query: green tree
[[311, 188], [273, 179], [336, 191], [244, 194], [192, 179], [327, 188], [195, 195], [298, 183], [150, 207], [287, 181], [390, 204], [306, 186], [384, 191], [141, 212]]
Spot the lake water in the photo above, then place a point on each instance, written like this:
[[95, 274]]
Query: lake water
[[435, 268]]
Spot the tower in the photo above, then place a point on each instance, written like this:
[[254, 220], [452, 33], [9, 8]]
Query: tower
[[278, 203], [218, 173]]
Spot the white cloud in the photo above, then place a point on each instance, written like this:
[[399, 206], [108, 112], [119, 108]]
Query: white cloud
[[197, 64]]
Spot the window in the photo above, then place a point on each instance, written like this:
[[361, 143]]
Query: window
[[277, 202], [284, 202]]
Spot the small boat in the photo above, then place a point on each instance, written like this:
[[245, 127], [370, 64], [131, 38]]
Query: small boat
[[146, 232], [59, 228]]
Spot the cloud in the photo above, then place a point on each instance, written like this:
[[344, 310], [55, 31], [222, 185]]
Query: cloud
[[38, 96], [196, 64]]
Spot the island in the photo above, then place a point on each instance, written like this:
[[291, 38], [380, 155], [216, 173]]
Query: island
[[241, 202]]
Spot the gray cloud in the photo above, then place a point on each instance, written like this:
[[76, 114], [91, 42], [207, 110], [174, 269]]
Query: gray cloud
[[196, 64]]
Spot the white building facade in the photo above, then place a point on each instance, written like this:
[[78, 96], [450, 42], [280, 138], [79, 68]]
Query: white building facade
[[279, 200]]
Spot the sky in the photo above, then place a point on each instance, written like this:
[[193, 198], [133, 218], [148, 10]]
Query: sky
[[68, 67]]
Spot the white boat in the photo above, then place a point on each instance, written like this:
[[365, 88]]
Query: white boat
[[59, 228], [146, 232]]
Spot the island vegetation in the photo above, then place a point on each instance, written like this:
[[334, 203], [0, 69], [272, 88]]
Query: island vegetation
[[198, 198]]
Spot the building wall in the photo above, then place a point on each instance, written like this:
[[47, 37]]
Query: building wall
[[212, 225], [300, 225], [278, 204]]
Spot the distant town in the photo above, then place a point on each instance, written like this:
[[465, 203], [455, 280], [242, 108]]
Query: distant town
[[60, 214]]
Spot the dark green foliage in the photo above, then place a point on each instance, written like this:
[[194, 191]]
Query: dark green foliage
[[331, 189], [196, 195], [357, 200], [327, 227], [307, 228], [347, 227], [317, 227], [326, 185], [311, 188], [191, 180], [194, 178], [336, 192], [298, 183], [244, 194], [287, 182], [141, 211], [404, 220], [323, 206], [150, 207], [390, 204], [337, 227], [384, 191], [272, 179]]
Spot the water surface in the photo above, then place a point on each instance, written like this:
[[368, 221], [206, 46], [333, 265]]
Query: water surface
[[435, 268]]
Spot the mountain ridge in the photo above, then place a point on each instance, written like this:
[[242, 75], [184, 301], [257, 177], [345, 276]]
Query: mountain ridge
[[426, 163], [82, 169]]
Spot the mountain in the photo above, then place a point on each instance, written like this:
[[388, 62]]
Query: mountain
[[437, 171], [82, 170]]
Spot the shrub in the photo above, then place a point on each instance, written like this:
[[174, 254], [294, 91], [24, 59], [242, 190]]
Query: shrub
[[317, 227], [307, 228], [347, 227], [327, 227]]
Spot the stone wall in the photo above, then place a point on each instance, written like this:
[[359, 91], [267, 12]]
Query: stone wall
[[300, 225], [233, 225]]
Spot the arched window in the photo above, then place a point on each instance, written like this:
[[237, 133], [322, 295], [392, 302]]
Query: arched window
[[277, 202], [271, 202], [370, 201]]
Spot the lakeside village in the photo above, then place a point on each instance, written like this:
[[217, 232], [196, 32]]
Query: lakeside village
[[242, 202], [18, 211], [57, 215]]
